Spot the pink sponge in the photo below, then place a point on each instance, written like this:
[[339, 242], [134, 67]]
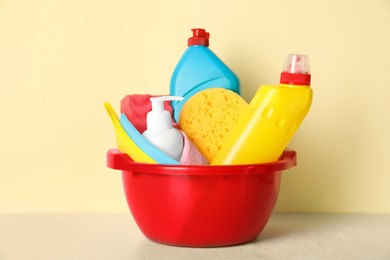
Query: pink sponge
[[136, 106]]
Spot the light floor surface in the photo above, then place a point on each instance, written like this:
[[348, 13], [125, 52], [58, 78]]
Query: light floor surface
[[116, 236]]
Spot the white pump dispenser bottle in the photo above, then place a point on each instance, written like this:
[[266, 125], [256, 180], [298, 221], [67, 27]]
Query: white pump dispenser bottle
[[159, 130]]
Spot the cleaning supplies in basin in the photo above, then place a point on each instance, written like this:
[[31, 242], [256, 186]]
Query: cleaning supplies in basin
[[199, 69], [271, 119], [159, 128]]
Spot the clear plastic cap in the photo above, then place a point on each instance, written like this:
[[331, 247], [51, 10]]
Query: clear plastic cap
[[297, 63], [296, 70]]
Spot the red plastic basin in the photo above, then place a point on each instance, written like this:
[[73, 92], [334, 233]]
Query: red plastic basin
[[200, 206]]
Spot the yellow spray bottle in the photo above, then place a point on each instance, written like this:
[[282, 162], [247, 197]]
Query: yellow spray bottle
[[271, 119]]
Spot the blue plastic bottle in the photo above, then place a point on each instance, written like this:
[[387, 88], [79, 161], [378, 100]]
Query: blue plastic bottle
[[198, 69]]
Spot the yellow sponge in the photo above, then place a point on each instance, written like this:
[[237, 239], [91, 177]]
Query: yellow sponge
[[209, 116]]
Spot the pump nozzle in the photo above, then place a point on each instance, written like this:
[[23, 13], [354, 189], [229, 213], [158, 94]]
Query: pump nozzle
[[158, 118], [158, 102]]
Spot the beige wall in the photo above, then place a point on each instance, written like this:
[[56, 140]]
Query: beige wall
[[60, 60]]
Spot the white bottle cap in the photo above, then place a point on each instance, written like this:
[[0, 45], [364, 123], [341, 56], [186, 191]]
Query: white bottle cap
[[159, 118]]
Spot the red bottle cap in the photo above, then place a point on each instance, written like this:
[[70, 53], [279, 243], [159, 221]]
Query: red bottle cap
[[199, 37], [296, 70]]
